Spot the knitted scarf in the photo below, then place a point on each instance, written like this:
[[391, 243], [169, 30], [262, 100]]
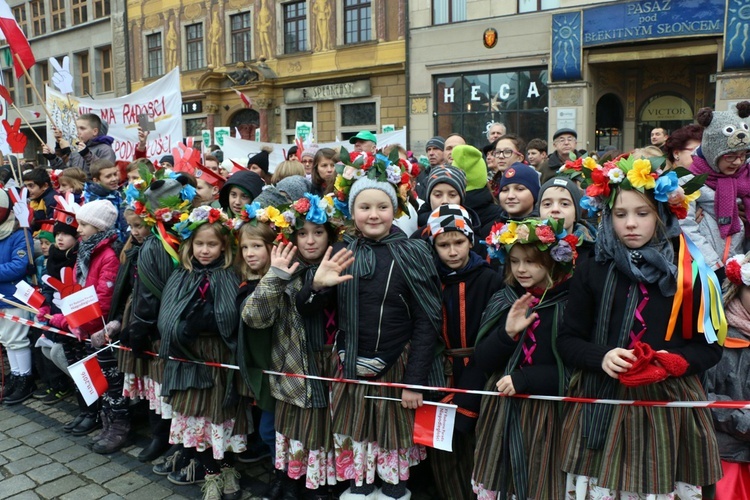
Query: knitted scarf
[[414, 259], [738, 317], [86, 251], [728, 188], [652, 263], [58, 259]]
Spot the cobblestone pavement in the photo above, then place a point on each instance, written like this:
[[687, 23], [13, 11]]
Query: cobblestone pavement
[[39, 460]]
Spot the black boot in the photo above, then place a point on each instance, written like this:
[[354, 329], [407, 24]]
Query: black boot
[[91, 421], [23, 390], [82, 407], [159, 438], [10, 384]]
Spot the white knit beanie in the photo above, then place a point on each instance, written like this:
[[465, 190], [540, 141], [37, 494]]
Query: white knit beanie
[[101, 214], [367, 183]]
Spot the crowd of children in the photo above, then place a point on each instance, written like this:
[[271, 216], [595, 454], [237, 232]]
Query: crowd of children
[[601, 282]]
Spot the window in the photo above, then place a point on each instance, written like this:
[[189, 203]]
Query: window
[[37, 17], [195, 126], [80, 10], [357, 21], [58, 14], [105, 69], [101, 8], [535, 5], [356, 116], [294, 115], [20, 14], [295, 27], [84, 72], [9, 82], [154, 55], [43, 76], [27, 93], [448, 11], [194, 46], [241, 36]]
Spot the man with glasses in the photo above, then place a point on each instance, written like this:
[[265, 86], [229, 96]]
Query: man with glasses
[[564, 141]]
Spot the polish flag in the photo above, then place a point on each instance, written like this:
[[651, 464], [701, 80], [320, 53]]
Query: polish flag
[[17, 41], [35, 114], [246, 101], [81, 307], [88, 376], [433, 425], [236, 167], [29, 295]]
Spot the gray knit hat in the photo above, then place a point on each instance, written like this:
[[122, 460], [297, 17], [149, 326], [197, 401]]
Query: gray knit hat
[[101, 214], [271, 197], [566, 183], [453, 176], [367, 183], [724, 132], [294, 186]]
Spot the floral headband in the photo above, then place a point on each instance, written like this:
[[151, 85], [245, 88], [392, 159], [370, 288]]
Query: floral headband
[[172, 208], [199, 216], [353, 166], [547, 234], [640, 174]]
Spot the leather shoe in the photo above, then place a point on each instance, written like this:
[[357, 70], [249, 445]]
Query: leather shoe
[[155, 449], [74, 423], [88, 424]]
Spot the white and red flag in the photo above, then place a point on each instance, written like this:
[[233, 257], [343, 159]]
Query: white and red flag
[[17, 41], [29, 295], [433, 425], [88, 376], [246, 101], [81, 307]]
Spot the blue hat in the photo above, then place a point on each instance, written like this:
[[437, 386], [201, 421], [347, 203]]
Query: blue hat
[[520, 173]]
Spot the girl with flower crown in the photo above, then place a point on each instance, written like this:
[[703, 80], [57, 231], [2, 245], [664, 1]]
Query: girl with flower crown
[[623, 345], [198, 321], [518, 439], [288, 300]]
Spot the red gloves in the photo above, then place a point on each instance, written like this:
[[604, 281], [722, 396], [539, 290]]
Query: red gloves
[[43, 311], [651, 366]]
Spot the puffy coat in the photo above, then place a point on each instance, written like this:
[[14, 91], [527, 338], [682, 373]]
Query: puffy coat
[[13, 263], [102, 276]]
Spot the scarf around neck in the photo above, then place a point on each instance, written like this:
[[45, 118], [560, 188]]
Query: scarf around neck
[[728, 188], [58, 259], [86, 251], [738, 317]]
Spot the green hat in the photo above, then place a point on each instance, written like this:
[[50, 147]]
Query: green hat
[[469, 159], [364, 135]]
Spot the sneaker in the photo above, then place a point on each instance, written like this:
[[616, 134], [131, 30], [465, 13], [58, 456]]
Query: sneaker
[[212, 489], [55, 396], [169, 465], [231, 479], [42, 392], [192, 473], [254, 453], [24, 389]]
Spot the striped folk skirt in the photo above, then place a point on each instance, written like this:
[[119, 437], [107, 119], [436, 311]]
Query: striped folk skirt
[[648, 450], [374, 436], [200, 418], [540, 428], [304, 439], [143, 379]]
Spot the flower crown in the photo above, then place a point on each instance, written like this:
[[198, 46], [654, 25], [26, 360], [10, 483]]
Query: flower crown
[[171, 209], [547, 234], [641, 174], [199, 216], [738, 270], [354, 166]]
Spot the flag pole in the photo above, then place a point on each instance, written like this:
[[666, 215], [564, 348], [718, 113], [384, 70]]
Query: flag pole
[[36, 91], [22, 306], [23, 117]]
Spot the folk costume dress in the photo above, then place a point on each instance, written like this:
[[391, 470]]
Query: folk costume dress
[[518, 440], [198, 321], [619, 298], [390, 321], [304, 441]]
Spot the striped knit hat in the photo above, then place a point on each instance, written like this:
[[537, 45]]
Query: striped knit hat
[[454, 177], [450, 218]]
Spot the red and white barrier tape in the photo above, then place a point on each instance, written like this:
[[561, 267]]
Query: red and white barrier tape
[[565, 399]]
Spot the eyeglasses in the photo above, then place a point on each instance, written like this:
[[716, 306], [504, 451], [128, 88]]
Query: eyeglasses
[[731, 158], [505, 153], [565, 139]]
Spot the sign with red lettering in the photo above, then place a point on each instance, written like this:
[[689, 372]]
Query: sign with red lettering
[[162, 100]]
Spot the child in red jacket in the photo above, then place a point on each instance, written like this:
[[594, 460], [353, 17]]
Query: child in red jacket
[[97, 265]]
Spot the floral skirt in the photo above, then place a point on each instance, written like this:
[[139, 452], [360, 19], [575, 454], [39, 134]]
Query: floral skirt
[[304, 440], [200, 433], [148, 389], [374, 435]]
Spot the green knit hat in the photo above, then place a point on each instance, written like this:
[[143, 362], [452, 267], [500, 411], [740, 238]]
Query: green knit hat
[[469, 159]]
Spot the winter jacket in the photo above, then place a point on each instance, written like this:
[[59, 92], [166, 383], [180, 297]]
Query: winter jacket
[[97, 148], [102, 275], [14, 263], [43, 208], [729, 380], [482, 202], [706, 233]]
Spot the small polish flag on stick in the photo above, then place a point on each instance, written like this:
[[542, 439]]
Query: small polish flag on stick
[[433, 425], [35, 114], [29, 295], [236, 167], [88, 376], [17, 41], [81, 307], [246, 101]]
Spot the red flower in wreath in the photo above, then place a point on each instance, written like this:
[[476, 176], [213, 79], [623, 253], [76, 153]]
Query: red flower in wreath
[[139, 208], [600, 186], [302, 205], [213, 215], [734, 271], [679, 211]]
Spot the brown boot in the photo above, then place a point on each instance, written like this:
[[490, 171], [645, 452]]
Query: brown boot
[[116, 438]]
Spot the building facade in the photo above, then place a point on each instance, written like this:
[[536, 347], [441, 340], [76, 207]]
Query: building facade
[[612, 70], [339, 65], [90, 32]]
